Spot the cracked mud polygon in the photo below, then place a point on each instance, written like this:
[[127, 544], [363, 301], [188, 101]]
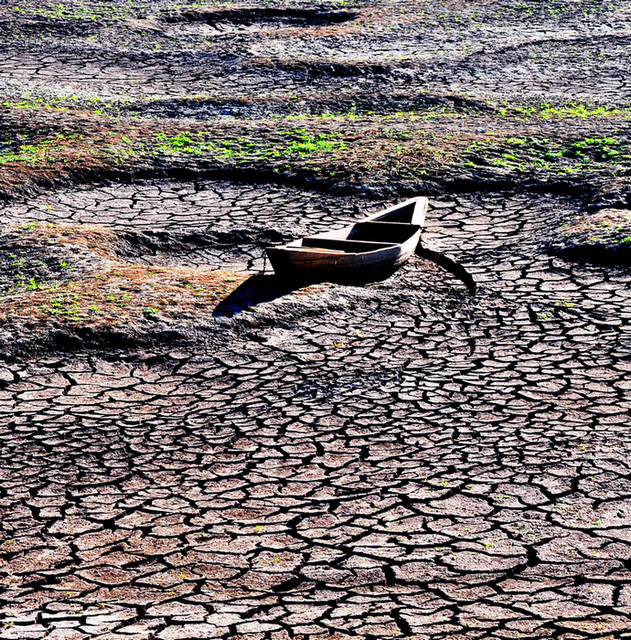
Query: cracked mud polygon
[[193, 449]]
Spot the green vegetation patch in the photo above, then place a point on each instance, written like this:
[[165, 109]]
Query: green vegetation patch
[[527, 154], [57, 102], [401, 146], [120, 293], [73, 273], [46, 151], [606, 228], [547, 111], [287, 143]]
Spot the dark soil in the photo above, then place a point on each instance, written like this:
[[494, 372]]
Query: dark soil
[[193, 448]]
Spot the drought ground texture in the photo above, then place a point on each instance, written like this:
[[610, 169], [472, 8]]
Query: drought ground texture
[[191, 449]]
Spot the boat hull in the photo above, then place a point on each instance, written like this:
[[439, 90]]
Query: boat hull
[[290, 261], [375, 245]]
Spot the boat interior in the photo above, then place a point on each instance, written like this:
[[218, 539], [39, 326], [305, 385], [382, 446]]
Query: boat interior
[[382, 231], [403, 214], [361, 237]]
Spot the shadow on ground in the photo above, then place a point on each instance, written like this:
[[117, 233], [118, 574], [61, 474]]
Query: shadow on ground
[[266, 287], [256, 289]]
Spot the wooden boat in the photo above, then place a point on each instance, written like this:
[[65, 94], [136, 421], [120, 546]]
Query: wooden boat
[[381, 242]]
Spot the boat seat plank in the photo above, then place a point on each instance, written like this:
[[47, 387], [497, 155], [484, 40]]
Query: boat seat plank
[[412, 211], [345, 245], [315, 249]]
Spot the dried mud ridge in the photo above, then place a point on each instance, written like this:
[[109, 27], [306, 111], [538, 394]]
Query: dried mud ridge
[[251, 16], [443, 455]]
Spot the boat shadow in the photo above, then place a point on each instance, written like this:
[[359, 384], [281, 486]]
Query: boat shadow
[[256, 289], [263, 287]]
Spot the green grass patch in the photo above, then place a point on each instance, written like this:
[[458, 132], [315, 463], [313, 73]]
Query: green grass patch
[[43, 152], [527, 154], [296, 142], [547, 111], [58, 102]]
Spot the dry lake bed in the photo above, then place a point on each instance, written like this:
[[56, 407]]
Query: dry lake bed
[[191, 448]]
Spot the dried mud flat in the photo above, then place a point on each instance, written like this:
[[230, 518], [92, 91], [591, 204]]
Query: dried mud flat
[[192, 449]]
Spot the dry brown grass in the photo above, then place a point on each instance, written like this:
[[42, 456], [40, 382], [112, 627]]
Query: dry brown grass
[[397, 148], [105, 290], [604, 221], [121, 293], [96, 239]]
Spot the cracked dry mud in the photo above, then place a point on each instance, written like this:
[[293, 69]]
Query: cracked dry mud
[[389, 465], [403, 459]]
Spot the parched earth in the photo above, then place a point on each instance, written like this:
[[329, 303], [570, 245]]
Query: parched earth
[[194, 449]]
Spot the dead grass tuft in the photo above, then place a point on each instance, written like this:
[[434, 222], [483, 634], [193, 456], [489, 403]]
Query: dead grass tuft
[[100, 289], [121, 294], [605, 222], [93, 238]]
